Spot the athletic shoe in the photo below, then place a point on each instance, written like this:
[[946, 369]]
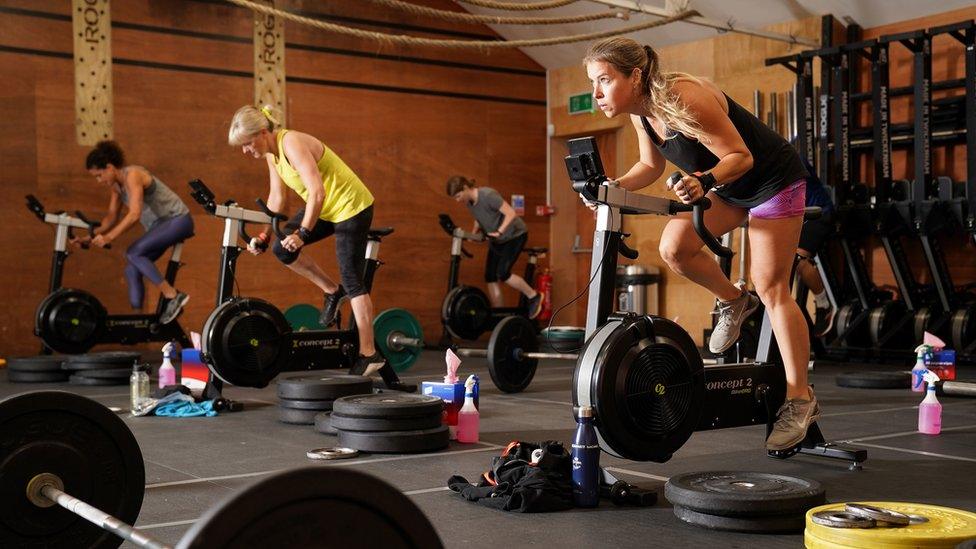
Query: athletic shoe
[[368, 365], [173, 308], [534, 306], [792, 421], [333, 302], [731, 316]]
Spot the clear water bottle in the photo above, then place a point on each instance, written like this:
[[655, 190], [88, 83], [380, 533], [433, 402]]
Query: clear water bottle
[[586, 461], [138, 386]]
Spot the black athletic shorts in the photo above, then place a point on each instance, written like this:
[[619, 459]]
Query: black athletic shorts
[[502, 257], [815, 232]]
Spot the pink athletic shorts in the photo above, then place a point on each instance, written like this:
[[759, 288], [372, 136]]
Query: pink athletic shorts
[[787, 203]]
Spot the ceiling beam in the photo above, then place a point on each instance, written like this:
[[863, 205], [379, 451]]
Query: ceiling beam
[[721, 26]]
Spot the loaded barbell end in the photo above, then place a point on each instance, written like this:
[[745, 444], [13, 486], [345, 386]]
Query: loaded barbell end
[[398, 341]]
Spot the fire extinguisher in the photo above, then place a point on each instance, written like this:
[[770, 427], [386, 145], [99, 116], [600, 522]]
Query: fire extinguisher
[[543, 284]]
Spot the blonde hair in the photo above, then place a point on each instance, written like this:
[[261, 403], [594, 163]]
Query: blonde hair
[[626, 55], [248, 121]]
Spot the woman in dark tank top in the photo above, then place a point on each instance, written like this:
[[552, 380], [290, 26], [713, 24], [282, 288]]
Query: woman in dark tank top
[[747, 170]]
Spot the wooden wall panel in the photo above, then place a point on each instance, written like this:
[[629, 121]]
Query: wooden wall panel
[[182, 68]]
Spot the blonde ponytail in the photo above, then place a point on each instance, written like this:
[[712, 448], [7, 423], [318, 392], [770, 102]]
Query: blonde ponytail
[[248, 121]]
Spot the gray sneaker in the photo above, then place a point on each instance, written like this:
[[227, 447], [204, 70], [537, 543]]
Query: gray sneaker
[[173, 308], [792, 421], [731, 316]]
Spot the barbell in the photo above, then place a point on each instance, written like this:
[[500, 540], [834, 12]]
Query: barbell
[[64, 458], [513, 354]]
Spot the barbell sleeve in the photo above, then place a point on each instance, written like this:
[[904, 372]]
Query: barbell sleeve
[[398, 341]]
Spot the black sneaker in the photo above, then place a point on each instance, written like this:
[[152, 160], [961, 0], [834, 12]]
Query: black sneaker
[[368, 365], [173, 308], [534, 306], [824, 321], [333, 302]]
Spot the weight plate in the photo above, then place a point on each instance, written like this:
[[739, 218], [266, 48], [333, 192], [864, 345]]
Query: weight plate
[[878, 514], [70, 321], [303, 317], [885, 319], [295, 404], [336, 452], [85, 445], [323, 386], [842, 519], [314, 507], [757, 525], [397, 442], [246, 342], [945, 527], [743, 493], [297, 417], [875, 380], [78, 379], [114, 373], [40, 363], [392, 322], [510, 371], [347, 423], [466, 312], [388, 405], [963, 327], [15, 376], [101, 361], [644, 378], [323, 424]]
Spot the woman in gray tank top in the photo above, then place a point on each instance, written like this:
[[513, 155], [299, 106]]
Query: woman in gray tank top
[[747, 171], [148, 200]]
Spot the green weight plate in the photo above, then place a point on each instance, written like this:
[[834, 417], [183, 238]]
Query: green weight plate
[[303, 317], [392, 322]]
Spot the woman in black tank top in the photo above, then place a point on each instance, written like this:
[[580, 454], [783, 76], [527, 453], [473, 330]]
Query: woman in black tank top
[[747, 170]]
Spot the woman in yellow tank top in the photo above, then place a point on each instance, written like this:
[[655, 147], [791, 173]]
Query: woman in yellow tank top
[[336, 202]]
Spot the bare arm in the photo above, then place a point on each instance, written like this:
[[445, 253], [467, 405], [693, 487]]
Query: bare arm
[[509, 212], [112, 215], [723, 140], [134, 183], [300, 156], [649, 167]]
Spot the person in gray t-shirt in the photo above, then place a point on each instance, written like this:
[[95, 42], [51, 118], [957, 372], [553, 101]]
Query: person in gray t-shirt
[[506, 234]]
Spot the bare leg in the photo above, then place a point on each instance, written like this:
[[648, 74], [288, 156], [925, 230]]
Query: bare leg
[[809, 274], [168, 291], [362, 309], [774, 242], [519, 283], [308, 268], [495, 294], [681, 248]]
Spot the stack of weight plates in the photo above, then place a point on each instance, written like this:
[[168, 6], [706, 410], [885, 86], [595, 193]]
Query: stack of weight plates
[[36, 369], [106, 368], [875, 380], [388, 423], [872, 524], [742, 501], [303, 396]]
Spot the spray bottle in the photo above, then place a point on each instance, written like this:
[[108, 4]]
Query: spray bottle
[[167, 373], [922, 353], [930, 411], [468, 417]]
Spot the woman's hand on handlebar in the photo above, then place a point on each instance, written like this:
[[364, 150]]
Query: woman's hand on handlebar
[[81, 241], [101, 241], [688, 189], [292, 242]]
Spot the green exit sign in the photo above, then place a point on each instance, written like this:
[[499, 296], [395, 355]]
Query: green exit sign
[[581, 103]]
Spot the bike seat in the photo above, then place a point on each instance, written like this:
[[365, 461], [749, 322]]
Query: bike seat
[[535, 251], [380, 232]]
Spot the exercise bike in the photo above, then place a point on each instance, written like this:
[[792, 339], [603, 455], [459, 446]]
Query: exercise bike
[[466, 312], [247, 341], [72, 321], [643, 375]]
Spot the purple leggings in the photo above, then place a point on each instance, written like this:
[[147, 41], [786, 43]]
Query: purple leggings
[[143, 253]]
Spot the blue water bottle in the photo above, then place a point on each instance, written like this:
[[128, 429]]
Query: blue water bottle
[[586, 461]]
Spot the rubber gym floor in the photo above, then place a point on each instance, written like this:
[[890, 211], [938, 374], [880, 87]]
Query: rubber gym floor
[[193, 463]]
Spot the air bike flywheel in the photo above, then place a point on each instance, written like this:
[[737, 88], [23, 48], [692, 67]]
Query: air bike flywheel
[[645, 380], [246, 342], [70, 321]]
